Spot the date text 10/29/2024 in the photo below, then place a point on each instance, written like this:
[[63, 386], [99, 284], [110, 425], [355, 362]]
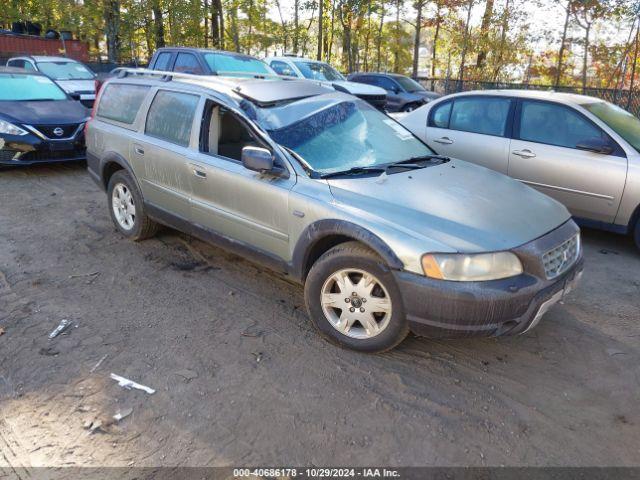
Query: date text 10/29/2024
[[316, 472]]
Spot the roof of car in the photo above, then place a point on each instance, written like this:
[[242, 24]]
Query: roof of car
[[44, 58], [291, 57], [202, 50], [21, 71], [261, 92], [379, 74], [562, 97]]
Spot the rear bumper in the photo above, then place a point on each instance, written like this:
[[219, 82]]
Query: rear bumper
[[439, 309]]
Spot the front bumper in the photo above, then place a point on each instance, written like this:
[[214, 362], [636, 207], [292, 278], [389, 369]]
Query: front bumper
[[32, 149], [439, 309]]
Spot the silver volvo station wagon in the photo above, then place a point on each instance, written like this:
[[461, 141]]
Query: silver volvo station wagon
[[385, 236]]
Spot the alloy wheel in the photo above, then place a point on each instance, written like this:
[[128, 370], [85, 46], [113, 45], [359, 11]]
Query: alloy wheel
[[356, 303], [124, 209]]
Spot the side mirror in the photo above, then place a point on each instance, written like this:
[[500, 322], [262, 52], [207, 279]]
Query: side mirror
[[257, 159], [74, 96], [596, 145]]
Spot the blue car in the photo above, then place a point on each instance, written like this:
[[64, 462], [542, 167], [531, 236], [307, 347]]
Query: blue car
[[403, 93]]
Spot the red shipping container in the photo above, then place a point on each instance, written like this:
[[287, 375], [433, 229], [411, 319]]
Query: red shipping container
[[16, 45]]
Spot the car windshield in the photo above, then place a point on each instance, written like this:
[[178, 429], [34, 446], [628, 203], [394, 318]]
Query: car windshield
[[409, 84], [65, 70], [619, 120], [319, 71], [335, 132], [237, 64], [18, 87]]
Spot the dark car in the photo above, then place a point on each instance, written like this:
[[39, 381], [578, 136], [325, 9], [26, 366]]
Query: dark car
[[403, 93], [39, 122], [203, 61]]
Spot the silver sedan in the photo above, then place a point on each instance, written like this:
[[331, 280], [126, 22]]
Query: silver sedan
[[580, 150]]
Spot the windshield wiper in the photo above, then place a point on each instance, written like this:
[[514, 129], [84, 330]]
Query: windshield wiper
[[421, 158], [355, 171]]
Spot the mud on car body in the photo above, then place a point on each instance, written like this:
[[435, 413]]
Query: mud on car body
[[385, 236]]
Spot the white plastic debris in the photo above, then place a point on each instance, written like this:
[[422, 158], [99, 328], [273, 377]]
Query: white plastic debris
[[64, 324], [129, 384], [123, 414]]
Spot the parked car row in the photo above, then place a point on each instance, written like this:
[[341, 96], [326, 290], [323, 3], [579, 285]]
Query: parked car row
[[382, 221], [72, 76]]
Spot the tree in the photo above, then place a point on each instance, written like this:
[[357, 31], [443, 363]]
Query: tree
[[484, 30], [586, 13], [112, 29], [465, 44]]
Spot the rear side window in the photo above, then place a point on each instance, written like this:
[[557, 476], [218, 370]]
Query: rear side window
[[162, 62], [440, 115], [187, 63], [171, 115], [554, 124], [485, 115], [121, 102]]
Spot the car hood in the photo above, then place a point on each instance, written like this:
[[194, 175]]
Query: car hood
[[456, 206], [44, 113], [71, 86], [355, 88]]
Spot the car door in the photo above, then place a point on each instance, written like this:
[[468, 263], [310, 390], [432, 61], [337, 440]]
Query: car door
[[165, 151], [472, 128], [394, 92], [544, 153], [232, 201]]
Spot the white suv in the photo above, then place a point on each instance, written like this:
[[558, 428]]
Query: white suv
[[327, 76]]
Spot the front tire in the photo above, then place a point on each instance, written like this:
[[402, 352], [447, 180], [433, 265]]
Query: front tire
[[354, 301], [636, 233], [410, 107], [127, 208]]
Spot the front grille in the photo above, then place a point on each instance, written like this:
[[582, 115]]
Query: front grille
[[67, 130], [559, 259], [373, 98], [7, 155], [44, 156]]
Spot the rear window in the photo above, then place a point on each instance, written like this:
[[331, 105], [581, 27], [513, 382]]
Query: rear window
[[171, 115], [121, 102]]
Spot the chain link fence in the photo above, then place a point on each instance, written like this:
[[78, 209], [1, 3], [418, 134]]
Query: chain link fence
[[626, 99]]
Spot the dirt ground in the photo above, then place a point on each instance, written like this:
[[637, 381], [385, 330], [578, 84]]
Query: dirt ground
[[241, 377]]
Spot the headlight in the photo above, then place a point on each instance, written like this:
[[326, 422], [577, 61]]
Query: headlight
[[471, 268], [10, 129]]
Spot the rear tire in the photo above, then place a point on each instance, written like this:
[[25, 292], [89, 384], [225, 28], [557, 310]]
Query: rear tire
[[354, 301], [126, 208]]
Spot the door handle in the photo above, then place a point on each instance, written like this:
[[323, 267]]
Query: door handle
[[198, 171], [139, 150], [526, 153], [444, 140]]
